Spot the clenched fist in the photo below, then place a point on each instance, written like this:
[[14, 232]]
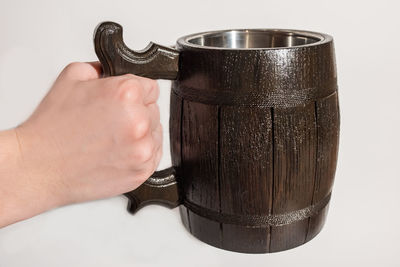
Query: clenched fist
[[89, 138]]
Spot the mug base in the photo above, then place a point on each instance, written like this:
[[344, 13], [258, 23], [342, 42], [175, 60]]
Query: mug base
[[255, 240]]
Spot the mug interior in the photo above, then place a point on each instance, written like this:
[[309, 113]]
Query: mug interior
[[256, 38]]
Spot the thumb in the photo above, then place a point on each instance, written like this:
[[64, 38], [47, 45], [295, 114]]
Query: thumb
[[82, 71]]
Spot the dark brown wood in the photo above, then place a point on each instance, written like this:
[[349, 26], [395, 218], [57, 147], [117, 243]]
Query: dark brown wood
[[160, 188], [328, 121], [200, 168], [155, 61], [253, 133], [315, 223], [295, 149], [246, 174], [175, 129]]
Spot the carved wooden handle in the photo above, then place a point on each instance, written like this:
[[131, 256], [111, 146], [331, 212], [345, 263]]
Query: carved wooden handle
[[160, 188], [156, 62]]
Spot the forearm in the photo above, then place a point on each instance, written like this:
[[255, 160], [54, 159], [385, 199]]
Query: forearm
[[22, 190]]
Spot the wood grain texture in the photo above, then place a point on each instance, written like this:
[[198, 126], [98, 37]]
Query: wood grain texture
[[155, 61], [328, 121], [246, 173], [256, 76], [175, 140], [328, 140], [175, 128], [316, 223], [200, 166], [295, 152], [161, 188]]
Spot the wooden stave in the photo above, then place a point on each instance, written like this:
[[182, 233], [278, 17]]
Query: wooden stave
[[210, 232]]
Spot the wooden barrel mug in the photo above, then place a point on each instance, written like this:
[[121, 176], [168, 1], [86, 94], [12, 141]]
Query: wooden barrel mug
[[254, 129]]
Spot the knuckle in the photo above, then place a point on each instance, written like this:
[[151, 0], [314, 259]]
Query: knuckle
[[141, 127], [129, 90], [142, 153], [145, 152]]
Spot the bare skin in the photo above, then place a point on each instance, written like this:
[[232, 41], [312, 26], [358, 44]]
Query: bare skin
[[90, 138]]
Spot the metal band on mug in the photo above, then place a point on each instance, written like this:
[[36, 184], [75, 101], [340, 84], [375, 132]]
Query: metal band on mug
[[278, 99], [259, 220]]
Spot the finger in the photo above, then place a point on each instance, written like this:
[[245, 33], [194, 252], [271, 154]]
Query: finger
[[147, 168], [157, 135], [146, 148], [151, 165], [126, 88], [143, 150], [81, 71], [151, 90], [154, 113], [158, 156], [140, 122], [96, 65]]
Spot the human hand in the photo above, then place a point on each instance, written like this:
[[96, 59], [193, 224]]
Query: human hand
[[89, 138]]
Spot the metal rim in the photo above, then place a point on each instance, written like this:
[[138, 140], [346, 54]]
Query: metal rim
[[253, 39]]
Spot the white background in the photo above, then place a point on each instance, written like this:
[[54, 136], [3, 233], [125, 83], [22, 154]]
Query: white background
[[39, 37]]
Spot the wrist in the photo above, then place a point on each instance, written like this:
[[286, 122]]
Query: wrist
[[10, 159], [25, 187]]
